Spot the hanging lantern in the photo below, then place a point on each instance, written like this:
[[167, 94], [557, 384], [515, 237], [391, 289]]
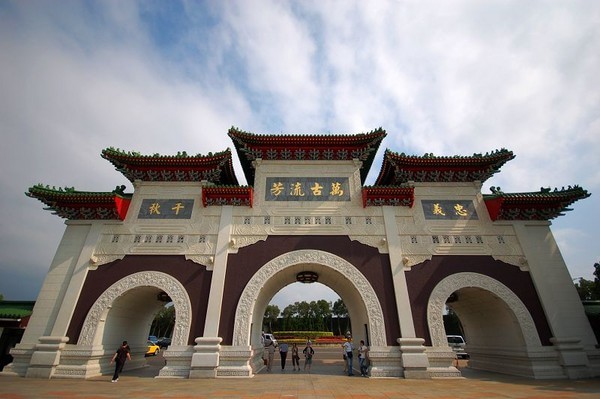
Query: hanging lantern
[[163, 297], [307, 277]]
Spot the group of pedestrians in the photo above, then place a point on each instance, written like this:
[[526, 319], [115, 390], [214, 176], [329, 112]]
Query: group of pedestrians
[[308, 352], [348, 355], [123, 353], [269, 354]]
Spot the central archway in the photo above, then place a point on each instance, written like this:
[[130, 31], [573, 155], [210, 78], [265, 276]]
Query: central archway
[[267, 280]]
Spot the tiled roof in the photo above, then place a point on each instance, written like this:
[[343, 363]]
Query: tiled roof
[[216, 168], [285, 147], [391, 196], [224, 195], [400, 168], [82, 205], [15, 309], [540, 205]]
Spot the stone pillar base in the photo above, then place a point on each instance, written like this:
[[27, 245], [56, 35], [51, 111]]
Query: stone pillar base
[[235, 362], [21, 358], [573, 357], [179, 359], [442, 363], [414, 358], [385, 361], [46, 357], [205, 359]]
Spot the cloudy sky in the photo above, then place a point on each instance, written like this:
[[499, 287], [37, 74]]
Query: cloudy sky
[[445, 77]]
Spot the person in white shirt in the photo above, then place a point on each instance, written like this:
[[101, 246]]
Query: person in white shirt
[[362, 358], [283, 351], [349, 348]]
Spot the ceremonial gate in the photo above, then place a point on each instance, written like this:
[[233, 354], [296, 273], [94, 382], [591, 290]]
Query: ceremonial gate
[[421, 239]]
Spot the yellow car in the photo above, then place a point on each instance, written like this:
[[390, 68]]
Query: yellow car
[[153, 349]]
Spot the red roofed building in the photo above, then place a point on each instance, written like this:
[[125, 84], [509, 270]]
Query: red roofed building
[[422, 239]]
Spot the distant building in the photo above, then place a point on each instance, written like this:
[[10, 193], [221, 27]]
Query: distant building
[[14, 316]]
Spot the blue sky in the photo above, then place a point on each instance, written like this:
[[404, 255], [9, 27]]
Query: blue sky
[[445, 77]]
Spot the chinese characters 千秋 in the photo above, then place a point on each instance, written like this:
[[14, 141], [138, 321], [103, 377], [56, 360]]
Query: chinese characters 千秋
[[178, 206], [154, 209]]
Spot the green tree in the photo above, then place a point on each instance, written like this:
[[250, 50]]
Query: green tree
[[1, 297], [596, 289], [340, 311], [271, 316], [290, 322], [322, 314], [303, 309], [588, 289], [585, 289], [164, 322]]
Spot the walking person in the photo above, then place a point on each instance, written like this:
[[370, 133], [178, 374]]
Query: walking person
[[308, 355], [362, 358], [283, 351], [121, 355], [348, 347], [295, 357]]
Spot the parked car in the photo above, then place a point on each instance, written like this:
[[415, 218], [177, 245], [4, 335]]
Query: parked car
[[164, 342], [153, 338], [153, 349], [271, 337], [457, 343]]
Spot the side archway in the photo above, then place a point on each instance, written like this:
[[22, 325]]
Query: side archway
[[458, 281], [247, 303], [93, 324]]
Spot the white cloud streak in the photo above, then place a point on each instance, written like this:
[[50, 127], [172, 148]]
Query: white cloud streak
[[453, 77]]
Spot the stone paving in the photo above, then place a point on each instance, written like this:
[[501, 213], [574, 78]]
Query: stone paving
[[325, 381]]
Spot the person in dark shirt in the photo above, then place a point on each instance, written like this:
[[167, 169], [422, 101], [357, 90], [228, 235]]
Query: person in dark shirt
[[308, 355], [121, 355]]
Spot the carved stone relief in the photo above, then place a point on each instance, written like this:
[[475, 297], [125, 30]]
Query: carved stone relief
[[175, 290], [455, 282], [245, 308]]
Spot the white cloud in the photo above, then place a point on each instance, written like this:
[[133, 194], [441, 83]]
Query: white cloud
[[455, 77]]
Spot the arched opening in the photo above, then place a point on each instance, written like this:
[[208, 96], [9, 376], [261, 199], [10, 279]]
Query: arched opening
[[126, 310], [486, 319], [498, 328], [336, 273], [291, 319]]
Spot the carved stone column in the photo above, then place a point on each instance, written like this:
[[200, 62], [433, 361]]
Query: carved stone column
[[205, 359]]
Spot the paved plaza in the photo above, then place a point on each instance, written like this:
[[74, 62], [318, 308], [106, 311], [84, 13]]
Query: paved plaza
[[326, 380]]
